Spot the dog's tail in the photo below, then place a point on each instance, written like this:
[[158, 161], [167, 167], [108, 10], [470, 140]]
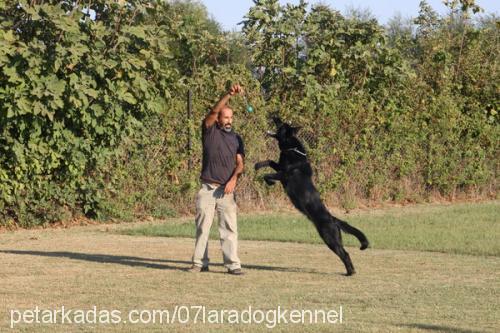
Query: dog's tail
[[353, 231]]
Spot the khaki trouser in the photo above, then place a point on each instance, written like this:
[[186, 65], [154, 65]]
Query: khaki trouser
[[211, 199]]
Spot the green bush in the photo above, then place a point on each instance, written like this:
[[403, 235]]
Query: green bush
[[70, 89], [94, 121]]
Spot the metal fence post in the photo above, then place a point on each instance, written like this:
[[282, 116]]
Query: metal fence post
[[190, 130]]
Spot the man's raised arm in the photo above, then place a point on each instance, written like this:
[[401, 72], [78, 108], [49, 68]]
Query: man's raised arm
[[211, 118]]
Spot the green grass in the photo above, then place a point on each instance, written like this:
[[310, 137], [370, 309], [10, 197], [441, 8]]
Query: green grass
[[461, 228]]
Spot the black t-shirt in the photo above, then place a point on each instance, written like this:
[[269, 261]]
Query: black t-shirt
[[219, 154]]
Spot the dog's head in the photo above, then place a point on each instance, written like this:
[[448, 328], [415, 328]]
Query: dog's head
[[285, 134]]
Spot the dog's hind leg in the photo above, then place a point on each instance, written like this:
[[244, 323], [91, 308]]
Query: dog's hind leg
[[330, 233], [347, 262]]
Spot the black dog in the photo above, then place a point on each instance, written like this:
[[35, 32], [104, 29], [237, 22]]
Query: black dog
[[294, 172]]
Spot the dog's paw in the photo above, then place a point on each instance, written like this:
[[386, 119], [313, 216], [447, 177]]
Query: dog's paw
[[350, 272], [269, 182], [259, 165]]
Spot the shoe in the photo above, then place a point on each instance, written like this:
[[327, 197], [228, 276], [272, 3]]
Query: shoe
[[236, 271], [197, 269]]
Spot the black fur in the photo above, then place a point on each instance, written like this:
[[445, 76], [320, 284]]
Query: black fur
[[294, 172]]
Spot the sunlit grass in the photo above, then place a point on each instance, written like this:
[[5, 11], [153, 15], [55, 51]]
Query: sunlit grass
[[462, 228]]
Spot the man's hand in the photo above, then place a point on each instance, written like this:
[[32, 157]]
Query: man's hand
[[235, 89], [230, 186]]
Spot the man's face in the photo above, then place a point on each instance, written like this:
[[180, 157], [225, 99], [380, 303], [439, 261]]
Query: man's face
[[225, 119]]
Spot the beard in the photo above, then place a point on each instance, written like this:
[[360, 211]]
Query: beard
[[227, 127]]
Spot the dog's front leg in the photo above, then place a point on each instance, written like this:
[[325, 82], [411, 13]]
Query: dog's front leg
[[267, 163], [271, 178]]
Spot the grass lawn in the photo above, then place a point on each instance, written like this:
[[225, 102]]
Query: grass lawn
[[462, 229], [414, 278]]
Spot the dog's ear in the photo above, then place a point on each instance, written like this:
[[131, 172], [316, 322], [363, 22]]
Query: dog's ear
[[277, 121], [294, 130]]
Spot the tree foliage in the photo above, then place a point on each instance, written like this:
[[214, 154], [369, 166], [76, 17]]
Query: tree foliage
[[93, 96], [70, 88]]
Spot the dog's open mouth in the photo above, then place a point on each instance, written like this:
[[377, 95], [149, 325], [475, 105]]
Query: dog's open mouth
[[269, 133]]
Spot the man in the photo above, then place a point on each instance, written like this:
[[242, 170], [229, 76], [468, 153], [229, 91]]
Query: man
[[223, 153]]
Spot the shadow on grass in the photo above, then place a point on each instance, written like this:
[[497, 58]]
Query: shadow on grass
[[148, 262], [440, 328]]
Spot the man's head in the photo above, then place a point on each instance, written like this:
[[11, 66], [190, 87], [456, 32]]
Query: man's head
[[225, 119]]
